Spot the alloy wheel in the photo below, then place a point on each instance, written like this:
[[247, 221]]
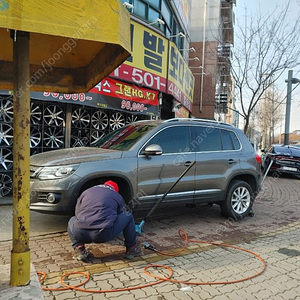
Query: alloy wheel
[[99, 120], [240, 200], [54, 137], [6, 159], [80, 118], [6, 134], [53, 115], [5, 184], [116, 121], [6, 109]]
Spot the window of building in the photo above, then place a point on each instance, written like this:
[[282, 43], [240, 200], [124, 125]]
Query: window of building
[[153, 15], [150, 10], [140, 9], [154, 3], [166, 13]]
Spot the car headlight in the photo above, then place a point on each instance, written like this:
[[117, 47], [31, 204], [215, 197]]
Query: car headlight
[[57, 172]]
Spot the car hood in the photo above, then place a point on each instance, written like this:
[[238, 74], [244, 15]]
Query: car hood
[[287, 151], [72, 156], [295, 152]]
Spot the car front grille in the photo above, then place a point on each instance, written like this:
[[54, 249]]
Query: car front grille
[[42, 197], [33, 170], [289, 162]]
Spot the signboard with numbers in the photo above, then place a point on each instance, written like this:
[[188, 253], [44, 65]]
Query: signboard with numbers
[[147, 65], [180, 78], [155, 65], [111, 94]]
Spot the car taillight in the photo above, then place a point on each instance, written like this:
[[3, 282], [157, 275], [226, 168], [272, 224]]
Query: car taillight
[[258, 158]]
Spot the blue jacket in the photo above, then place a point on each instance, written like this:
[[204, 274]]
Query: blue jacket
[[98, 207]]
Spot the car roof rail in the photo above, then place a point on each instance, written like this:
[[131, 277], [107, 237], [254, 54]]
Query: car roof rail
[[198, 120]]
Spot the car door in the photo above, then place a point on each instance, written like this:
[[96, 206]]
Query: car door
[[217, 160], [157, 173]]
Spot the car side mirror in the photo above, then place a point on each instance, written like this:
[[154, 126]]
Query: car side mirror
[[153, 149]]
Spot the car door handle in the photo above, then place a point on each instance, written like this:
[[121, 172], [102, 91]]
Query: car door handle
[[187, 163], [232, 161]]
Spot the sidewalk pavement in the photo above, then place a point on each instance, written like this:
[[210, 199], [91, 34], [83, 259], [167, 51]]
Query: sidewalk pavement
[[197, 263], [32, 291], [273, 234], [7, 200]]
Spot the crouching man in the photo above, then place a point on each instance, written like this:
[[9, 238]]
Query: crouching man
[[100, 215]]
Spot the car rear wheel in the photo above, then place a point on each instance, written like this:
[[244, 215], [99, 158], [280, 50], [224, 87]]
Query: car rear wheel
[[239, 200]]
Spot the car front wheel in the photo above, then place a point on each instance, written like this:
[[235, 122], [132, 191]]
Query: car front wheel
[[239, 200]]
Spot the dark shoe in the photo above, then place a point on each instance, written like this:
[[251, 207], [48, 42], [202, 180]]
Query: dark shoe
[[133, 252], [80, 253]]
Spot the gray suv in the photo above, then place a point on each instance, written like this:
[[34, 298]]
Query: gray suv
[[146, 158]]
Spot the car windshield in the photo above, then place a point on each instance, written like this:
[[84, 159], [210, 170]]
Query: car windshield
[[124, 138]]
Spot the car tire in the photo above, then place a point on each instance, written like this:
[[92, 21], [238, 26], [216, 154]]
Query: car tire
[[239, 200]]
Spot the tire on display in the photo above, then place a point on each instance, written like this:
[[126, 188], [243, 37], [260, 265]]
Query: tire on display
[[6, 109], [6, 184], [116, 121], [79, 138], [239, 200], [6, 159], [131, 118], [54, 115], [99, 120], [80, 118]]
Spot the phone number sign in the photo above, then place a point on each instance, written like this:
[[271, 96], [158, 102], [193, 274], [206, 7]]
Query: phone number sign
[[147, 65], [181, 80], [111, 94], [157, 64]]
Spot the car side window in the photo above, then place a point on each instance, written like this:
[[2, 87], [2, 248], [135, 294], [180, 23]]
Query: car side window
[[226, 140], [235, 140], [207, 139], [173, 139]]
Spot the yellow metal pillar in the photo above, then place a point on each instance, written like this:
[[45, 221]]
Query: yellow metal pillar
[[20, 257]]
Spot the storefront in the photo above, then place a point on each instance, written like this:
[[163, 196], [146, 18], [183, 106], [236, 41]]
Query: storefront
[[154, 82]]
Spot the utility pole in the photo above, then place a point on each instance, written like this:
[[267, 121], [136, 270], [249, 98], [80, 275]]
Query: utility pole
[[289, 81]]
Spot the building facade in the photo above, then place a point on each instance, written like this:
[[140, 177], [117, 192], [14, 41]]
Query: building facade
[[212, 37], [179, 67]]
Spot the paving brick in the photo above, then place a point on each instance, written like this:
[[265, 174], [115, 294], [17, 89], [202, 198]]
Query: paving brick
[[290, 294], [274, 227], [166, 287], [221, 297]]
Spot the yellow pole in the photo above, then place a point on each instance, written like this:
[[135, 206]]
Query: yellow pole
[[20, 256]]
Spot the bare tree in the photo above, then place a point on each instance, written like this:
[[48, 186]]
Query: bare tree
[[264, 49], [269, 115]]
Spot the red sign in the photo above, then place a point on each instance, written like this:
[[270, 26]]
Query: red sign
[[118, 89], [111, 94], [141, 77]]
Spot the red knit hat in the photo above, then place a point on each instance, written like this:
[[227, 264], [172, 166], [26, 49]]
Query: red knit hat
[[112, 184]]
